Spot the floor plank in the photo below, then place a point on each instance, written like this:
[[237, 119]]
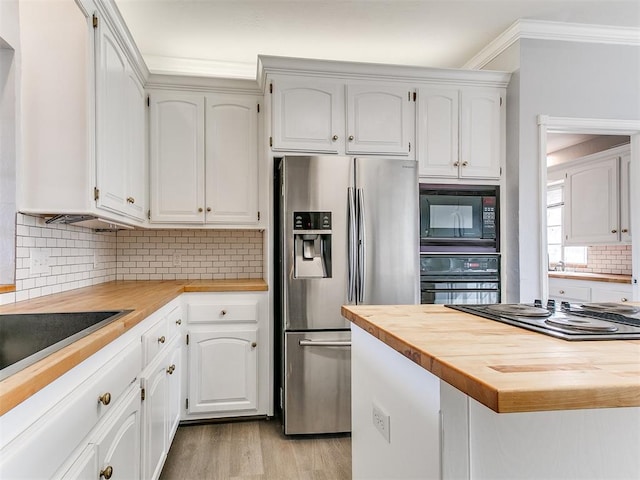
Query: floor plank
[[255, 450]]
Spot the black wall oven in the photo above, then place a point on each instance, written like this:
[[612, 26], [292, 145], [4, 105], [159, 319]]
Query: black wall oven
[[459, 278], [459, 218], [459, 244]]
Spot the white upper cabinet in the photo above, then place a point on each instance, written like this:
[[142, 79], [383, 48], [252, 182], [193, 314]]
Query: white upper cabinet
[[231, 172], [625, 198], [480, 133], [597, 203], [120, 129], [332, 116], [379, 119], [83, 128], [437, 126], [591, 203], [176, 130], [307, 116], [204, 174], [460, 132]]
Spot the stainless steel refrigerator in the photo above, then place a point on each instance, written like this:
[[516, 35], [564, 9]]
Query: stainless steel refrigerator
[[348, 234]]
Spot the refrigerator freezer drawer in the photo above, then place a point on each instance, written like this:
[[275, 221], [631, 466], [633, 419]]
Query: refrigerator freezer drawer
[[317, 385]]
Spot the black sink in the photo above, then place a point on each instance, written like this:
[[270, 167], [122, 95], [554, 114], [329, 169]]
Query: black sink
[[26, 338]]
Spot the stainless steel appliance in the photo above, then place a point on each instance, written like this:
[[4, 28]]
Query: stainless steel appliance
[[459, 278], [587, 321], [348, 235], [461, 218]]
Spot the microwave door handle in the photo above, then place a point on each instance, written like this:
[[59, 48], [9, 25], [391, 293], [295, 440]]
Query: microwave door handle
[[351, 244], [362, 242]]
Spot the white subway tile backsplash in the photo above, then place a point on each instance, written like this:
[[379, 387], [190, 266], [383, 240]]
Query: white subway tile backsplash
[[79, 257]]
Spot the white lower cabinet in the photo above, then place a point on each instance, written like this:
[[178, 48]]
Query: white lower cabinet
[[228, 355], [574, 290], [114, 448], [223, 370], [118, 441], [115, 414]]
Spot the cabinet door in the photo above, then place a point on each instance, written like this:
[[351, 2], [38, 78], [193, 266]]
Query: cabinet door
[[625, 199], [154, 431], [480, 133], [177, 157], [437, 132], [231, 168], [591, 203], [174, 407], [111, 85], [378, 119], [134, 143], [119, 440], [307, 115], [222, 370]]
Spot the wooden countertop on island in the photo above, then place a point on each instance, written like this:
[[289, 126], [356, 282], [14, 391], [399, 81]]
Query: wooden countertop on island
[[591, 277], [507, 368], [142, 297]]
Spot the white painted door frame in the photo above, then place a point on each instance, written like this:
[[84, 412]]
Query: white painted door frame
[[547, 124]]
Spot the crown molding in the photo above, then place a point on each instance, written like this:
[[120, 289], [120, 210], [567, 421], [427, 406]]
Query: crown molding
[[199, 67], [559, 31]]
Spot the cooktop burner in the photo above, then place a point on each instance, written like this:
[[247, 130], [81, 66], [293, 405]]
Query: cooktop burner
[[588, 321]]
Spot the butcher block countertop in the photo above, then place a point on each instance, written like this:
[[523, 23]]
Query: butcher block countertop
[[507, 368], [142, 297], [592, 277]]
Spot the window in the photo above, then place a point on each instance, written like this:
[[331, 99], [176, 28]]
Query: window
[[556, 250]]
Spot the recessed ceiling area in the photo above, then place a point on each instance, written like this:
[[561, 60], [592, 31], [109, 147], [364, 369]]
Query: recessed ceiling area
[[224, 37]]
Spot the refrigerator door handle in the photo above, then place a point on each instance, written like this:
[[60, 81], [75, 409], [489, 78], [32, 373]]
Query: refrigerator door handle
[[351, 244], [362, 252], [324, 343]]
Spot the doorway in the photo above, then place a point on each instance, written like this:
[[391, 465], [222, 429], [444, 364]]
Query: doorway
[[553, 129]]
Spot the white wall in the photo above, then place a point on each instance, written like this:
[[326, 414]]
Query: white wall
[[559, 79], [9, 81]]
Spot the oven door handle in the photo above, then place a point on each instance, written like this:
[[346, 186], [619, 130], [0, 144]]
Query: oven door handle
[[324, 343]]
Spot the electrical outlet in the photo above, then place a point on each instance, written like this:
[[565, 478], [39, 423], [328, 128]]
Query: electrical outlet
[[39, 262], [95, 261], [177, 260], [381, 421]]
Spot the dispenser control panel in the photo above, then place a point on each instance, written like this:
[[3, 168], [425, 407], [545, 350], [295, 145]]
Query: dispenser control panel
[[312, 220]]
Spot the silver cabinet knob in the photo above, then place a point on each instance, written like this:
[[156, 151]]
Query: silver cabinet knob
[[200, 210], [105, 398], [464, 164], [561, 292], [107, 472], [351, 138], [131, 200], [624, 299], [614, 230], [171, 369], [455, 164], [624, 230], [161, 339], [334, 138], [223, 312], [254, 344], [208, 209], [179, 321]]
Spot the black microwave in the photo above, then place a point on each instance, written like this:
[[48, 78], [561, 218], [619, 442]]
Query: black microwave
[[459, 218]]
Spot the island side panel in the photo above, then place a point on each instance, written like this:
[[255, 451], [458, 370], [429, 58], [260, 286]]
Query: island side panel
[[564, 444], [410, 396]]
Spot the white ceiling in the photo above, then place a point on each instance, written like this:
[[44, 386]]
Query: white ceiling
[[224, 37]]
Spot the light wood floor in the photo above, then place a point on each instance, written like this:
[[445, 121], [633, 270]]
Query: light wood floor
[[255, 450]]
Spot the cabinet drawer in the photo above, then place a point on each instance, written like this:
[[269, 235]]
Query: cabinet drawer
[[154, 339], [606, 295], [570, 293], [223, 312], [174, 322]]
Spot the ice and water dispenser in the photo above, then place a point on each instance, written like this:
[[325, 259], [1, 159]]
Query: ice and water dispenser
[[312, 244]]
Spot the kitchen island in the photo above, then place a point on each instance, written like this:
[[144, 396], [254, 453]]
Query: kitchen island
[[459, 396]]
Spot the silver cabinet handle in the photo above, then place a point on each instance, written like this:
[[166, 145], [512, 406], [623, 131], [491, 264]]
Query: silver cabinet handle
[[325, 343]]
